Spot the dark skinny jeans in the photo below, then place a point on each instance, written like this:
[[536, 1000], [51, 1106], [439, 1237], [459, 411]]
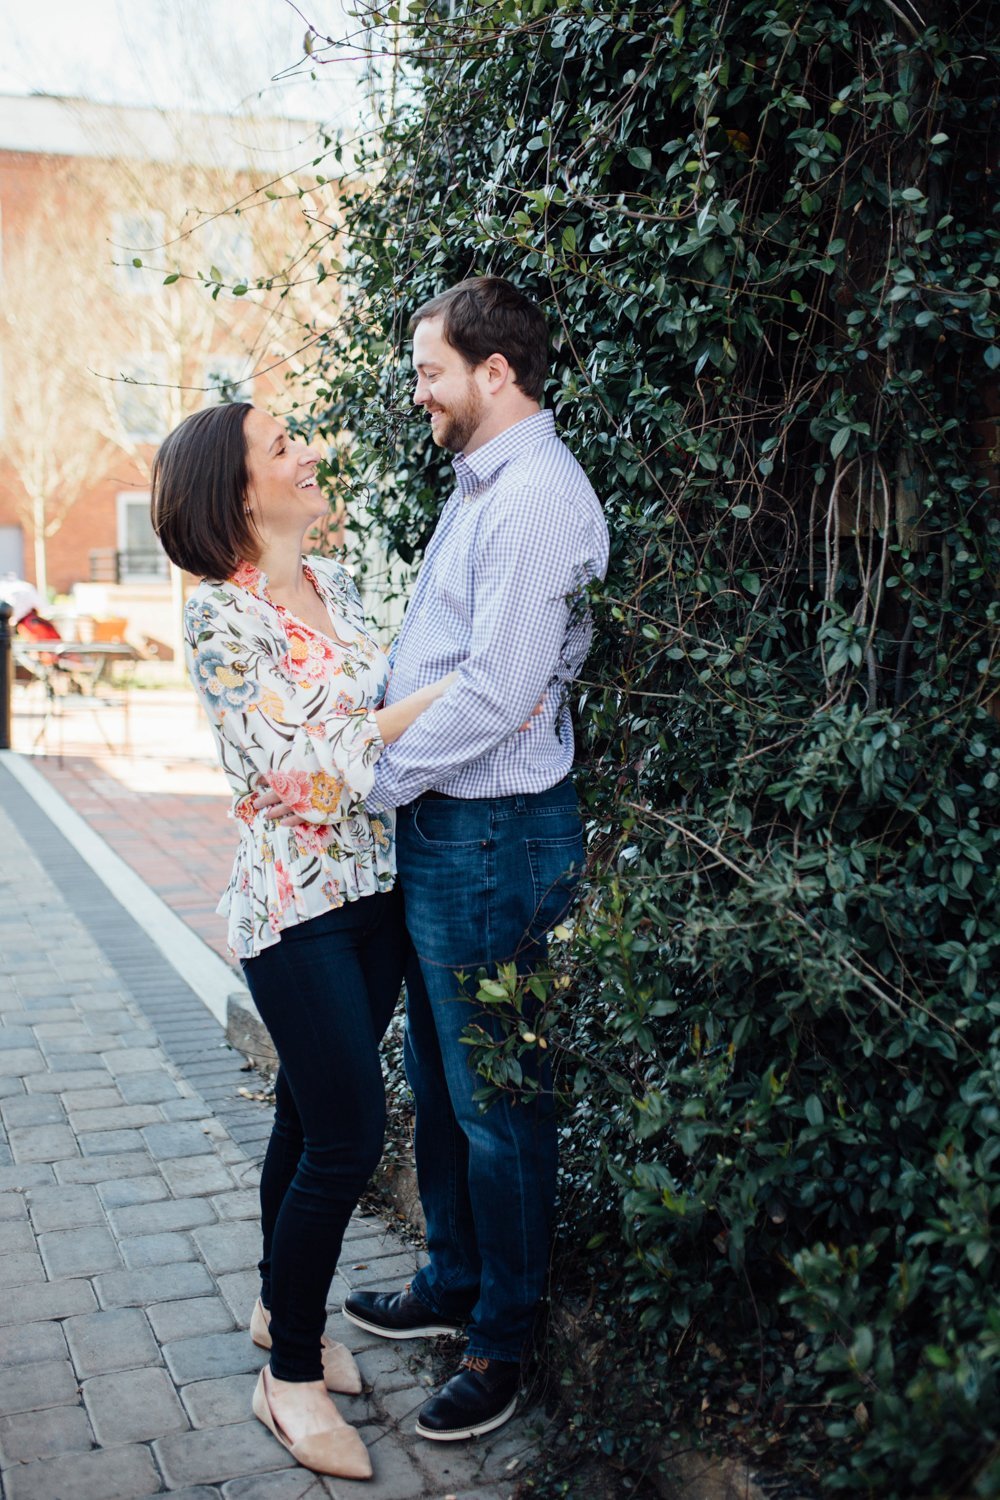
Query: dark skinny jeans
[[326, 992]]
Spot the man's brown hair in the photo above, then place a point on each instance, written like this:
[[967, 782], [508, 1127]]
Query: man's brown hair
[[199, 493], [487, 315]]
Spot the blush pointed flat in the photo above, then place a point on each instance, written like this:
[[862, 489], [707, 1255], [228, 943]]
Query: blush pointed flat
[[338, 1450], [340, 1372]]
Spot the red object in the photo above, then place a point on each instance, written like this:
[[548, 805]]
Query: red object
[[34, 627]]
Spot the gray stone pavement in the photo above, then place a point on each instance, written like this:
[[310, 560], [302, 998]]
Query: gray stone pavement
[[128, 1232]]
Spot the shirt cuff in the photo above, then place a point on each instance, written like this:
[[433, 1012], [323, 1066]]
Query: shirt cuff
[[377, 802]]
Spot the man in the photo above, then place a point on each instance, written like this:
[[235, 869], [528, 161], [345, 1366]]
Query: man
[[488, 834]]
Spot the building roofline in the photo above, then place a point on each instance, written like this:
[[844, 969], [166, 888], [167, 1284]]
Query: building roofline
[[59, 125]]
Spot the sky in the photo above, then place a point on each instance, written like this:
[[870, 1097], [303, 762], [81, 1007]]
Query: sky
[[215, 55]]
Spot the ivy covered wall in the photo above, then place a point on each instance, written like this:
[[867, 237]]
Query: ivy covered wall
[[765, 237]]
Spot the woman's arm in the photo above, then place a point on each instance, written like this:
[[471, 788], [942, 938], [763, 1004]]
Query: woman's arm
[[271, 727], [392, 721]]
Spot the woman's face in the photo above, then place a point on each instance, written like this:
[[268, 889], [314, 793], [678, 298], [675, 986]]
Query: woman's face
[[283, 497]]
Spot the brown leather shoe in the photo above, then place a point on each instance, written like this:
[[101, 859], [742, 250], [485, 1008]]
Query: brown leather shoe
[[340, 1373], [338, 1450]]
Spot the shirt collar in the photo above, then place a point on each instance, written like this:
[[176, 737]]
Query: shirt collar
[[248, 576], [476, 468]]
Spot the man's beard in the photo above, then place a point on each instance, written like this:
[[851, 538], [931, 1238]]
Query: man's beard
[[459, 422]]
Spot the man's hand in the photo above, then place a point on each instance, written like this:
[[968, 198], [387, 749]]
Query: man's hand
[[271, 805]]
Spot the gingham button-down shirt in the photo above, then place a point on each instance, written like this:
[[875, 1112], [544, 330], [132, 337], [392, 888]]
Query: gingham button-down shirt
[[500, 599]]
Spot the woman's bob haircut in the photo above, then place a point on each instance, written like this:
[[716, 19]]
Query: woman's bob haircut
[[199, 493]]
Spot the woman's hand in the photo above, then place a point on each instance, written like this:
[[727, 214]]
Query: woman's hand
[[269, 803], [390, 722], [533, 715]]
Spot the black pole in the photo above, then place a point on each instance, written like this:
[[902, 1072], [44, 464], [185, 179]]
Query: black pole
[[6, 673]]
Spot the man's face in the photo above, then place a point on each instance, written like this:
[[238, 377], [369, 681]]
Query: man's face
[[447, 388]]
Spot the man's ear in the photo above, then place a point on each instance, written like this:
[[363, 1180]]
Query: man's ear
[[498, 372]]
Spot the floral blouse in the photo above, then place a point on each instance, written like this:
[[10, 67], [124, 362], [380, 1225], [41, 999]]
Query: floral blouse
[[292, 708]]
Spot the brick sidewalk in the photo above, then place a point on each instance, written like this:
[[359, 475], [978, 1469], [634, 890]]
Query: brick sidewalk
[[160, 802], [128, 1230]]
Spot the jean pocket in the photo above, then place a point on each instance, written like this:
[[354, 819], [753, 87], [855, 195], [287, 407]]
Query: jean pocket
[[556, 865], [440, 825]]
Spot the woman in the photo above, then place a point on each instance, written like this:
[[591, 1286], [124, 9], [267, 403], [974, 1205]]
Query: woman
[[290, 677]]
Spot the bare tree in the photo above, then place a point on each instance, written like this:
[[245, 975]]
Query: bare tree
[[47, 372], [189, 315]]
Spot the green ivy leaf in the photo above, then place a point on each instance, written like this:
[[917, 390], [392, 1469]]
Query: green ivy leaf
[[814, 1110]]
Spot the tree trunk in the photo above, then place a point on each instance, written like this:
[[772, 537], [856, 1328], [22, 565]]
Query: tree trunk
[[41, 565]]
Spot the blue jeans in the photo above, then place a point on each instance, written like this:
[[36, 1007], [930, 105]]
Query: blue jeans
[[325, 992], [483, 881]]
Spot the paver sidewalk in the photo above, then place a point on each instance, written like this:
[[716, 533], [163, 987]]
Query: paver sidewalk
[[129, 1235], [163, 806]]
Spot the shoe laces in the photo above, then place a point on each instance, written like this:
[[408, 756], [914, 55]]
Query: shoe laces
[[477, 1362]]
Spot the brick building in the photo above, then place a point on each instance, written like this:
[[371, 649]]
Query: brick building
[[131, 243]]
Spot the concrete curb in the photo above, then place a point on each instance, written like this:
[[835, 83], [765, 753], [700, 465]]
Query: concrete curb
[[211, 979]]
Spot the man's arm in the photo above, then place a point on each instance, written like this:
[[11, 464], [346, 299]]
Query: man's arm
[[531, 560]]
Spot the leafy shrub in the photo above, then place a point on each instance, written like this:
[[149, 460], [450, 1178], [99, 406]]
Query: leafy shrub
[[765, 237]]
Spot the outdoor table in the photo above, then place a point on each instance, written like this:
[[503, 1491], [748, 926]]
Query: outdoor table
[[74, 672]]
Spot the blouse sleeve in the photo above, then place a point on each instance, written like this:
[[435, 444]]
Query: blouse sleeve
[[318, 757]]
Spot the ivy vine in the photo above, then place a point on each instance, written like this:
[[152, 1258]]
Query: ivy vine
[[765, 236]]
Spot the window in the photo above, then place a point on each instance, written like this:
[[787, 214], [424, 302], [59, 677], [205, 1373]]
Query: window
[[11, 552], [227, 249], [140, 556], [141, 400], [227, 379], [137, 236]]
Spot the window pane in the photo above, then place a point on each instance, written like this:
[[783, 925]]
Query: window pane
[[139, 552], [141, 401], [226, 379], [229, 250], [137, 236]]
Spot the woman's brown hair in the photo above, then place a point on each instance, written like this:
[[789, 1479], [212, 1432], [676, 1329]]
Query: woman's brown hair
[[199, 493]]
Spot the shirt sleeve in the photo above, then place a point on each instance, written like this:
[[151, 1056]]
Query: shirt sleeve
[[319, 759], [530, 570]]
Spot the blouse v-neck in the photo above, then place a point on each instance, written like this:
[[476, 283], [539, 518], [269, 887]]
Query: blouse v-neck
[[283, 610]]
